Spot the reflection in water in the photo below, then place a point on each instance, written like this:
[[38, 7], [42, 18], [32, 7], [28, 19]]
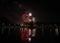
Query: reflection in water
[[56, 31]]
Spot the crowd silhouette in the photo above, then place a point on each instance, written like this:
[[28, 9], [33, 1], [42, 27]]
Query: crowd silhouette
[[44, 33]]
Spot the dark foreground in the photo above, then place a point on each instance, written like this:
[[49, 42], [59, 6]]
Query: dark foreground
[[13, 35]]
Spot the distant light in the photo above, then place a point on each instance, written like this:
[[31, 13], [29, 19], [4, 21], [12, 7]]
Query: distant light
[[30, 14]]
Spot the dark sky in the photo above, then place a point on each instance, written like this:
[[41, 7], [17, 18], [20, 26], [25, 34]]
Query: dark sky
[[40, 9]]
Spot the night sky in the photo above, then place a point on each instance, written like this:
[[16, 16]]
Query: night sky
[[12, 10]]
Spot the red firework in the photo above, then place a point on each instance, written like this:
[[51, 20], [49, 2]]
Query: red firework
[[25, 17]]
